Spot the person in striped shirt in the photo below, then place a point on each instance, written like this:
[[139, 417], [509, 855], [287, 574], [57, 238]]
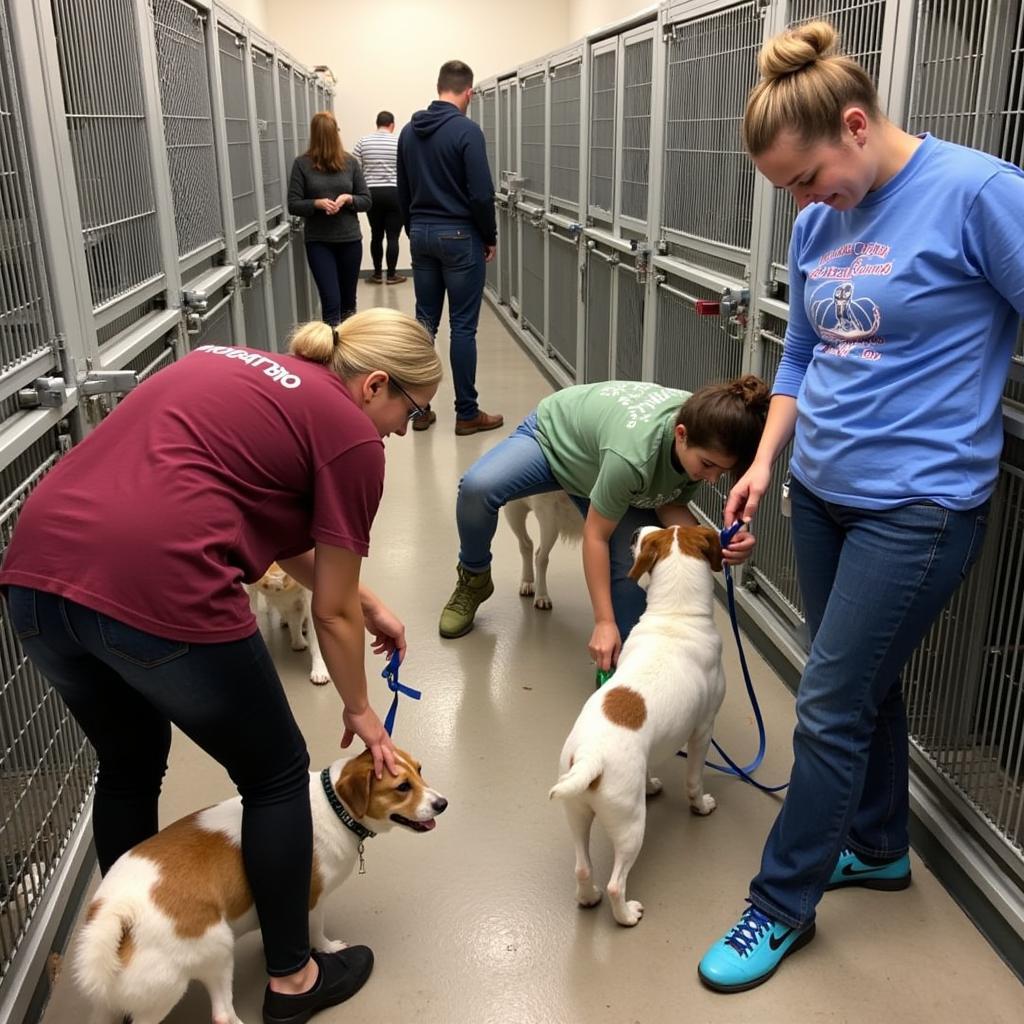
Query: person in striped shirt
[[378, 153]]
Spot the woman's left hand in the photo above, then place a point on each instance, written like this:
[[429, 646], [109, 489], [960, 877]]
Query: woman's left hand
[[386, 629], [740, 548], [345, 199]]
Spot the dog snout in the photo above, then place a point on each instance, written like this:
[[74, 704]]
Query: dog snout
[[439, 804]]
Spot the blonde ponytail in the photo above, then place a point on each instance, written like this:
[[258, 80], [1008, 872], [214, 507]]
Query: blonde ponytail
[[376, 339], [805, 86]]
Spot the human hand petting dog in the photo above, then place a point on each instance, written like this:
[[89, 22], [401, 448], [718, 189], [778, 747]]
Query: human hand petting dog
[[368, 727]]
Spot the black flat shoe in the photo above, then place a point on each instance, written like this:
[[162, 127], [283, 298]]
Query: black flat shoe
[[342, 975]]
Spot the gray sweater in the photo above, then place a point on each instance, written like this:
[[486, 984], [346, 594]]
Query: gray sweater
[[308, 184]]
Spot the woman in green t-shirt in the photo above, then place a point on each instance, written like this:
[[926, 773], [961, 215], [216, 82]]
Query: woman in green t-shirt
[[629, 454]]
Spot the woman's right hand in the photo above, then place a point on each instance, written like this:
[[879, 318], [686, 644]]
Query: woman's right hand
[[368, 727], [605, 644], [329, 206], [746, 494]]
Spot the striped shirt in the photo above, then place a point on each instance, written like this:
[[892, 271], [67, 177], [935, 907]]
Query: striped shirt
[[378, 153]]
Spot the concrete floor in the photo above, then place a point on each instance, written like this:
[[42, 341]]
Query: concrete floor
[[475, 923]]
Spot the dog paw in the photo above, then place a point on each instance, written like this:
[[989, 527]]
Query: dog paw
[[653, 786], [632, 911], [588, 896], [526, 588], [299, 645], [705, 805], [319, 676], [542, 602], [330, 945]]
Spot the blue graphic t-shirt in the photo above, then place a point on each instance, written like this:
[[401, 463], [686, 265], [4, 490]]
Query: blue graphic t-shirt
[[903, 316]]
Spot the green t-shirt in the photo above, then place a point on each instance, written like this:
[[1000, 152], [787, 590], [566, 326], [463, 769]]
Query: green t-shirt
[[612, 443]]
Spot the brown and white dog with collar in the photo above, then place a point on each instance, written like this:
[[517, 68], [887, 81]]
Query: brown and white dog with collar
[[666, 691], [170, 909]]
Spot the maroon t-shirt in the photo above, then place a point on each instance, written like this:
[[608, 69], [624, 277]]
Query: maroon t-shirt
[[198, 480]]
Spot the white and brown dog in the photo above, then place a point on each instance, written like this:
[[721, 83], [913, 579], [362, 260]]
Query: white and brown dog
[[557, 517], [665, 693], [170, 909], [294, 604]]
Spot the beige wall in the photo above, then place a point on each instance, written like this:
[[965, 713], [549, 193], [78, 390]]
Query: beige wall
[[386, 55], [587, 15], [254, 11]]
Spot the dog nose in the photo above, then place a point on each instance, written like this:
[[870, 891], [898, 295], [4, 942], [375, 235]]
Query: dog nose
[[439, 804]]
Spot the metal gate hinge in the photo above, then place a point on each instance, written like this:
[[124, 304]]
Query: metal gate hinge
[[43, 393], [108, 382]]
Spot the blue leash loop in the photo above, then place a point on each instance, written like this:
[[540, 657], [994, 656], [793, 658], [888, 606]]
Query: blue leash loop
[[731, 767], [390, 674]]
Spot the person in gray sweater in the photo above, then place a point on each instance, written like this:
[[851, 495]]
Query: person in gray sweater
[[328, 189]]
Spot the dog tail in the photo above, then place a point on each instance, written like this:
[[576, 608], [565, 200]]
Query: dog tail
[[104, 947], [585, 769]]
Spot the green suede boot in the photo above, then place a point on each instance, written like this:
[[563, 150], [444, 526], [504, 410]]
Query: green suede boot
[[471, 591]]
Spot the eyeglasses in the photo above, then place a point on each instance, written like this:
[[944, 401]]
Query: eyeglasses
[[416, 411]]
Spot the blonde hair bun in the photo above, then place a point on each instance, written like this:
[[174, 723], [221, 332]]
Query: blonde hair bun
[[796, 49]]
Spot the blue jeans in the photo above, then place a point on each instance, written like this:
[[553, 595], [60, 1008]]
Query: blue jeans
[[449, 259], [872, 583], [517, 468], [335, 269], [125, 688]]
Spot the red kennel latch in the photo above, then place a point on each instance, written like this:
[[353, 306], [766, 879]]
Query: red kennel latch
[[705, 307]]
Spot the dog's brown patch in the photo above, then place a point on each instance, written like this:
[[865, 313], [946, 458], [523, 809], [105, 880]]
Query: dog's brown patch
[[625, 707], [202, 879], [654, 547], [126, 944], [94, 909], [316, 883], [701, 542]]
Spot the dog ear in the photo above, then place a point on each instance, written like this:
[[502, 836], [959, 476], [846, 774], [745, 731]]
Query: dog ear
[[355, 782], [645, 560], [712, 547]]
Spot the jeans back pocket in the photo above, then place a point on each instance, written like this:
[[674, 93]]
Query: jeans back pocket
[[138, 647], [21, 609]]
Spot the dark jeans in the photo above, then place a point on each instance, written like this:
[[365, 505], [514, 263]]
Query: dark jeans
[[335, 268], [449, 259], [125, 688], [872, 583], [385, 218]]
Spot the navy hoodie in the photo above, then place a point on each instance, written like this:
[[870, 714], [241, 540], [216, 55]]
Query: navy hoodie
[[443, 174]]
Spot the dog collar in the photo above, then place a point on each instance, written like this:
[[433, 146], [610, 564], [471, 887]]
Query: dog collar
[[360, 831]]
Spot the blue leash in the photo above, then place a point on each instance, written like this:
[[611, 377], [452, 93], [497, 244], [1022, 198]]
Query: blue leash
[[390, 674], [731, 767]]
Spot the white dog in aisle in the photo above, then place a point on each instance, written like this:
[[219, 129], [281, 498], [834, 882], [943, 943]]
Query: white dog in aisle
[[666, 691], [294, 604], [557, 517]]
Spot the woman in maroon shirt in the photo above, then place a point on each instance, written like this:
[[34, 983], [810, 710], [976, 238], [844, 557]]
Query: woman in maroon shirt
[[124, 584]]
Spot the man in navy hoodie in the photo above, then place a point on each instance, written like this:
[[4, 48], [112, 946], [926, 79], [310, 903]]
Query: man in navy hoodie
[[447, 200]]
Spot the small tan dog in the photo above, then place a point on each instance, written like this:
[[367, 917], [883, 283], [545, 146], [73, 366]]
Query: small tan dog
[[665, 693], [294, 604], [557, 517], [170, 909]]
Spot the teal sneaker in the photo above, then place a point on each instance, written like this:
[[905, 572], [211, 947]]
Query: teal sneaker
[[751, 953], [851, 870]]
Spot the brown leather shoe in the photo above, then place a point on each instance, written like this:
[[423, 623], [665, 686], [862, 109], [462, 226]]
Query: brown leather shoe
[[482, 421], [397, 279], [425, 422], [375, 279]]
